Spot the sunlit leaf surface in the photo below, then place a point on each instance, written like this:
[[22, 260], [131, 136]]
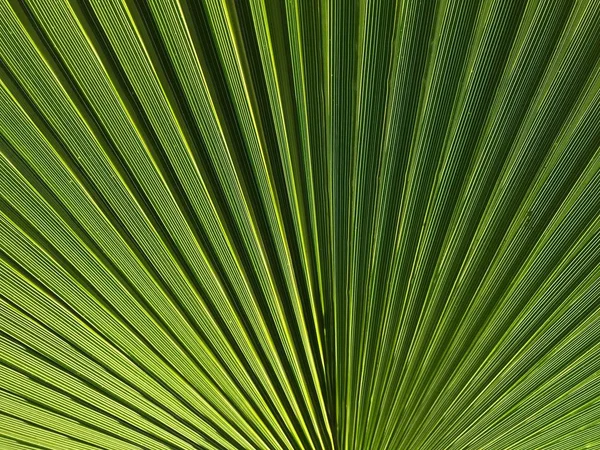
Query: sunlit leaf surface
[[299, 224]]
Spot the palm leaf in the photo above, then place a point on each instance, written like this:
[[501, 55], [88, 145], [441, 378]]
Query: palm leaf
[[299, 225]]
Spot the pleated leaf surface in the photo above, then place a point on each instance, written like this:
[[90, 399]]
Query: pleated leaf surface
[[299, 224]]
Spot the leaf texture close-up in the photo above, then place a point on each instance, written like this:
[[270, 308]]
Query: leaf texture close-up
[[299, 224]]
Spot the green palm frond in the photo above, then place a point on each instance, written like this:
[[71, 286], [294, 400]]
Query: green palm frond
[[316, 225]]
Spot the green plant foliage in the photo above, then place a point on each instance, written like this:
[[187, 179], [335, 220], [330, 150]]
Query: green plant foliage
[[299, 224]]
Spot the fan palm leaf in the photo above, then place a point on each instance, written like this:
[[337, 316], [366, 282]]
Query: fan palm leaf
[[299, 224]]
